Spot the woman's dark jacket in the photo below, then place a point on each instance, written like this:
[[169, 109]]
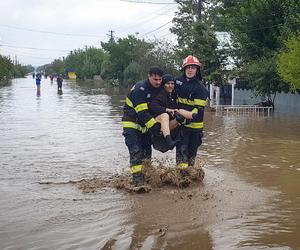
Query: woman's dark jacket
[[162, 101]]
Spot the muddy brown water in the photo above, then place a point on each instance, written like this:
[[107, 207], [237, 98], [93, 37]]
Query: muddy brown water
[[249, 198]]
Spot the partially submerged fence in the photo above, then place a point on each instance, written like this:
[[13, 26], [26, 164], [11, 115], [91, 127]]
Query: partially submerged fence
[[244, 109]]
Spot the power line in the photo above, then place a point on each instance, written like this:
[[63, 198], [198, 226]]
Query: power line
[[153, 16], [15, 51], [47, 32], [21, 54], [156, 29], [167, 28], [167, 34], [19, 47]]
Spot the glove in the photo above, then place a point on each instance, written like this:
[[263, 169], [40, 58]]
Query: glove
[[155, 129], [179, 118]]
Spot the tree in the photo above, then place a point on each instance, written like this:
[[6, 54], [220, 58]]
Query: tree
[[29, 68], [257, 29], [133, 73], [20, 70], [85, 62], [196, 35], [89, 69], [55, 67], [123, 52], [288, 62], [74, 62], [162, 55], [6, 68]]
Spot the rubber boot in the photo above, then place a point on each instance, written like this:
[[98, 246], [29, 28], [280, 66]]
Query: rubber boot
[[138, 179], [171, 144]]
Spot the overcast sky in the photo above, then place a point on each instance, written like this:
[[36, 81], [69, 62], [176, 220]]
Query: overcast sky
[[38, 31]]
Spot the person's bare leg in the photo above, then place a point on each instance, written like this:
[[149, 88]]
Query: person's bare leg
[[163, 119], [173, 124]]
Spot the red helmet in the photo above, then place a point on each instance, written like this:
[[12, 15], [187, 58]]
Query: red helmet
[[191, 60]]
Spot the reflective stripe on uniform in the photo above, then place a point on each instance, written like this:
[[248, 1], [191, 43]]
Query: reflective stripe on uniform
[[150, 123], [200, 102], [183, 165], [194, 125], [141, 107], [185, 101], [195, 111], [136, 169], [129, 103], [134, 126]]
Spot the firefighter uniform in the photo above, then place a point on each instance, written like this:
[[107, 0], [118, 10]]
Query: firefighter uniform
[[137, 122], [191, 96]]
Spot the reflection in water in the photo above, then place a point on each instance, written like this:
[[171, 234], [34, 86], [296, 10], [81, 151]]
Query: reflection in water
[[170, 220], [249, 200], [38, 90]]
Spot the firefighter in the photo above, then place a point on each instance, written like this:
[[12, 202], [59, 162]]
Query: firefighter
[[191, 96], [137, 122]]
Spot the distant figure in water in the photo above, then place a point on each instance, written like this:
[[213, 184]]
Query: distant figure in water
[[51, 78], [59, 84], [38, 84], [33, 75]]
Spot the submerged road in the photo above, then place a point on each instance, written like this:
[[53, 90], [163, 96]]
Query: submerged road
[[250, 197]]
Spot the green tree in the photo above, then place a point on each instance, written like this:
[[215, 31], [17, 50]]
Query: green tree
[[288, 62], [6, 68], [123, 52], [133, 73], [57, 66], [74, 62], [162, 55], [29, 68], [86, 63], [20, 70], [89, 69], [257, 29], [196, 35]]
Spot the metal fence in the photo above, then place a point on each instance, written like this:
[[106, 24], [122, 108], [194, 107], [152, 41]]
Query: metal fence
[[243, 109]]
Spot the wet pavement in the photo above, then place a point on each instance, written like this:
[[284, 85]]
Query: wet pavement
[[249, 198]]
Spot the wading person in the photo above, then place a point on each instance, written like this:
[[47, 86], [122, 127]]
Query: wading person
[[191, 96], [138, 123], [51, 78], [38, 84], [59, 81]]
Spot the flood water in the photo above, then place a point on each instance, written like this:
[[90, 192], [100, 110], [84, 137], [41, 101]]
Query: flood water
[[250, 197]]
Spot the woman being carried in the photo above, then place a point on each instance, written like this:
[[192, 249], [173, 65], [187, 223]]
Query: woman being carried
[[165, 110]]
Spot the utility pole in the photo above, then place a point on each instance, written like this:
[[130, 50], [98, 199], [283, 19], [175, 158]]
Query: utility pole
[[199, 8], [111, 35]]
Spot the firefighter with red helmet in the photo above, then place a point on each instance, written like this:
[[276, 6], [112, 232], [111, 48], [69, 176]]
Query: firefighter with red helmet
[[191, 96], [138, 122]]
